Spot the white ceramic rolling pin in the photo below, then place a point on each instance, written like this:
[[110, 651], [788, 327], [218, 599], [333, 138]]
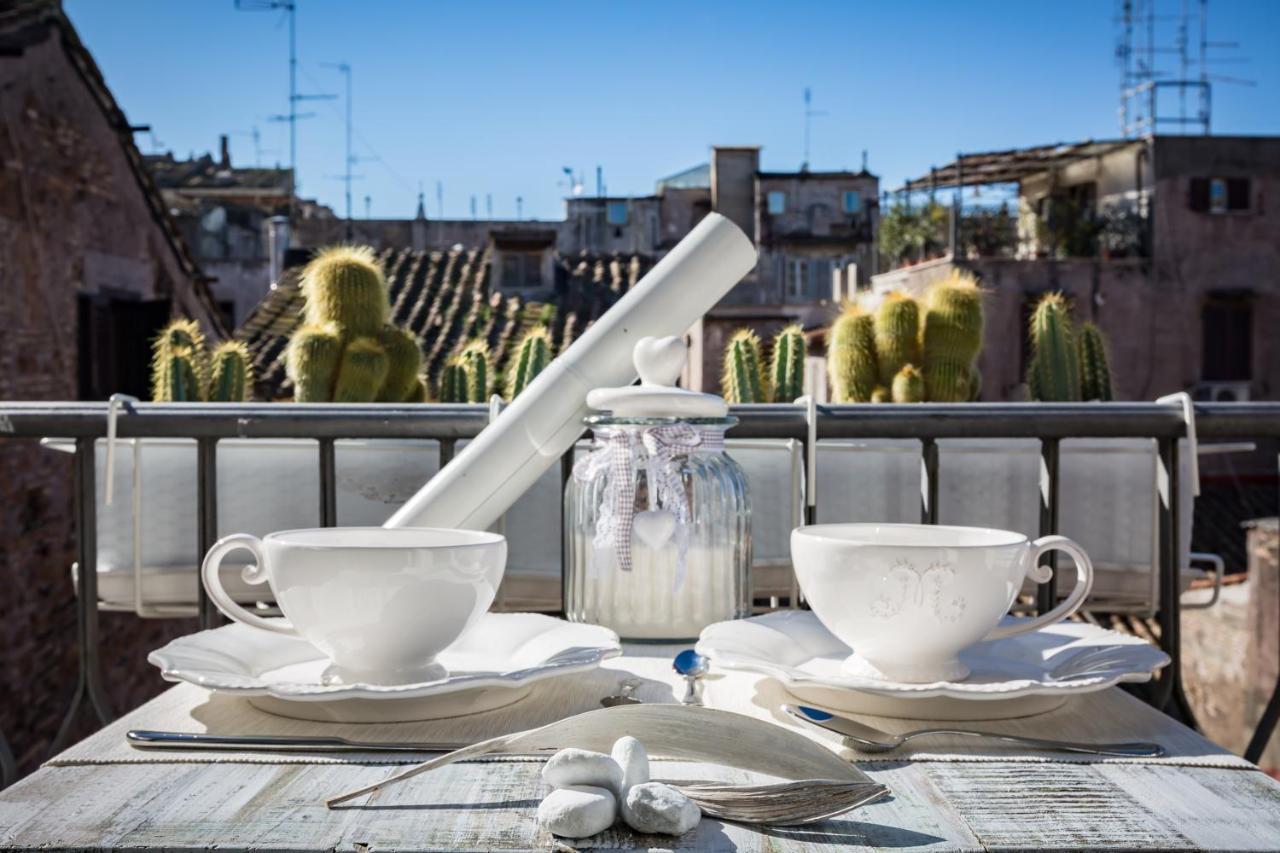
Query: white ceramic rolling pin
[[486, 478]]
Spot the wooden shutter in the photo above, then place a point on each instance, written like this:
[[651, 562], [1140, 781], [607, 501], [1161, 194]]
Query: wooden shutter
[[1237, 193], [1198, 195]]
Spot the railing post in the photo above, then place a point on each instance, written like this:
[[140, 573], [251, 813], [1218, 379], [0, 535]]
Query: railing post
[[1168, 617], [328, 484], [207, 521], [928, 481], [1047, 593], [566, 473], [89, 678]]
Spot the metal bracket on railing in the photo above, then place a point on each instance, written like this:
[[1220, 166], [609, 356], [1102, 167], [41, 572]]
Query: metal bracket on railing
[[114, 403], [1188, 405], [810, 511], [1219, 569]]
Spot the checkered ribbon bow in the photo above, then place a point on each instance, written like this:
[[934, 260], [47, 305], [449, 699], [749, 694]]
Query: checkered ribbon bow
[[615, 522]]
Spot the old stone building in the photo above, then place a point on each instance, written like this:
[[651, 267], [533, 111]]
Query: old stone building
[[1171, 244], [90, 266], [815, 232]]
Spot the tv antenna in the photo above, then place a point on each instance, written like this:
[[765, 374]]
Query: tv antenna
[[1141, 81], [290, 9], [809, 114], [350, 159]]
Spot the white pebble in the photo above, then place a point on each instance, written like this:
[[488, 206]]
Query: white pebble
[[578, 811], [582, 767], [653, 807], [630, 755]]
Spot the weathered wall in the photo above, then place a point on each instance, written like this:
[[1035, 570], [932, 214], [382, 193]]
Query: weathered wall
[[72, 220]]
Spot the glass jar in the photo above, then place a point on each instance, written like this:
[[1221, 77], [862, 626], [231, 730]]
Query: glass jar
[[657, 529]]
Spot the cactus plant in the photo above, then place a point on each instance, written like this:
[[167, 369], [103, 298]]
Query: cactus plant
[[453, 381], [787, 369], [951, 338], [475, 359], [743, 378], [897, 335], [881, 394], [908, 385], [347, 351], [533, 354], [1095, 372], [851, 357], [230, 373], [1053, 374]]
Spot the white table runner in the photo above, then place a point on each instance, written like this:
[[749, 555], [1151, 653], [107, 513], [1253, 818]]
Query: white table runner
[[1109, 715]]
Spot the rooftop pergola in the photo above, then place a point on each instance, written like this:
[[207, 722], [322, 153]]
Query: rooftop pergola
[[1009, 167]]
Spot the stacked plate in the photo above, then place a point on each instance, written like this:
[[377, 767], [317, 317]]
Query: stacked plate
[[493, 664], [1023, 675]]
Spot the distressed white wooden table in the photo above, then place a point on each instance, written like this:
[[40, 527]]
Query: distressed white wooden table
[[935, 805]]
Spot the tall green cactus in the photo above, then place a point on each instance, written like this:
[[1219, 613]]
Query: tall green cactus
[[952, 338], [453, 381], [347, 351], [475, 357], [178, 366], [851, 357], [897, 335], [787, 368], [230, 373], [908, 385], [532, 355], [742, 380], [1054, 372], [1095, 372]]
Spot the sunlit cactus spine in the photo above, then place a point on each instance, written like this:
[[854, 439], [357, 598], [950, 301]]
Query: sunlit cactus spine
[[178, 364], [346, 350], [908, 385], [1095, 372], [453, 382], [1054, 372], [230, 373], [787, 368], [951, 338], [475, 360], [897, 335], [851, 357], [742, 380], [532, 355]]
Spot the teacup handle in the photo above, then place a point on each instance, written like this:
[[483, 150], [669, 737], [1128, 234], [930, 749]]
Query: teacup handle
[[254, 574], [1041, 574]]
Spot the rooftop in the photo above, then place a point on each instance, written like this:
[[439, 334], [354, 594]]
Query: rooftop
[[1011, 166]]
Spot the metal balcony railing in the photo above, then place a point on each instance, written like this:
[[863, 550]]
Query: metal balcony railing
[[207, 424]]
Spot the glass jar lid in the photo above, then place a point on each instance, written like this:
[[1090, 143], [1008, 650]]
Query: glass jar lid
[[659, 362]]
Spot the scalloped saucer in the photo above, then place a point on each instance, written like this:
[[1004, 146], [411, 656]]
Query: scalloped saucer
[[1016, 677], [492, 665]]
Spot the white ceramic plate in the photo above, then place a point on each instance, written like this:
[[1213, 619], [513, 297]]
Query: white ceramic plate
[[1016, 677], [490, 666]]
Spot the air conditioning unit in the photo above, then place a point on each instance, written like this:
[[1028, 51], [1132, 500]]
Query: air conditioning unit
[[1221, 392]]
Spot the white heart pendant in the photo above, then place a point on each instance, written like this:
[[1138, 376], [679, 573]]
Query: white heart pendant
[[654, 527], [660, 360]]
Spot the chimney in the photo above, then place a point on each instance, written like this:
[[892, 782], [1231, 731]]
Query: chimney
[[733, 185], [224, 148], [277, 245]]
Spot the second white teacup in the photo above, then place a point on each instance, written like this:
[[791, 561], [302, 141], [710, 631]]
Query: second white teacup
[[380, 603], [908, 598]]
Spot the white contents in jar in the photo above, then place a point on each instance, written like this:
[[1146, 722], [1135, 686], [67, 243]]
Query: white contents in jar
[[646, 604]]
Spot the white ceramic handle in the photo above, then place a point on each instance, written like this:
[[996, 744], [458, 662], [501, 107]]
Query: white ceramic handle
[[1084, 583], [254, 574]]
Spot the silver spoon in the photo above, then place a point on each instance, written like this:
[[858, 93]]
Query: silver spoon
[[691, 666], [868, 739], [625, 694]]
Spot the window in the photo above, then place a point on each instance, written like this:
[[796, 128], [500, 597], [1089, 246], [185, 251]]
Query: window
[[851, 201], [777, 202], [1226, 329], [521, 269], [616, 212], [797, 278], [1218, 195]]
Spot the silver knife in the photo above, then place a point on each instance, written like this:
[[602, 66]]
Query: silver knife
[[867, 739], [146, 739]]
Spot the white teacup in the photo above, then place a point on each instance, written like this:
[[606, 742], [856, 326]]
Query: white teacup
[[908, 598], [380, 603]]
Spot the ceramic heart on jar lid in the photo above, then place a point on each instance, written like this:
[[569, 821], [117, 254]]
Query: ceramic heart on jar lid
[[660, 360]]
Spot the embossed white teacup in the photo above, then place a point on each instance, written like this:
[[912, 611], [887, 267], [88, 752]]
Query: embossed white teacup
[[908, 598], [380, 603]]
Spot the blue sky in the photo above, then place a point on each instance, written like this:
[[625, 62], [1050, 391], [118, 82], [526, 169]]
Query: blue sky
[[495, 98]]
